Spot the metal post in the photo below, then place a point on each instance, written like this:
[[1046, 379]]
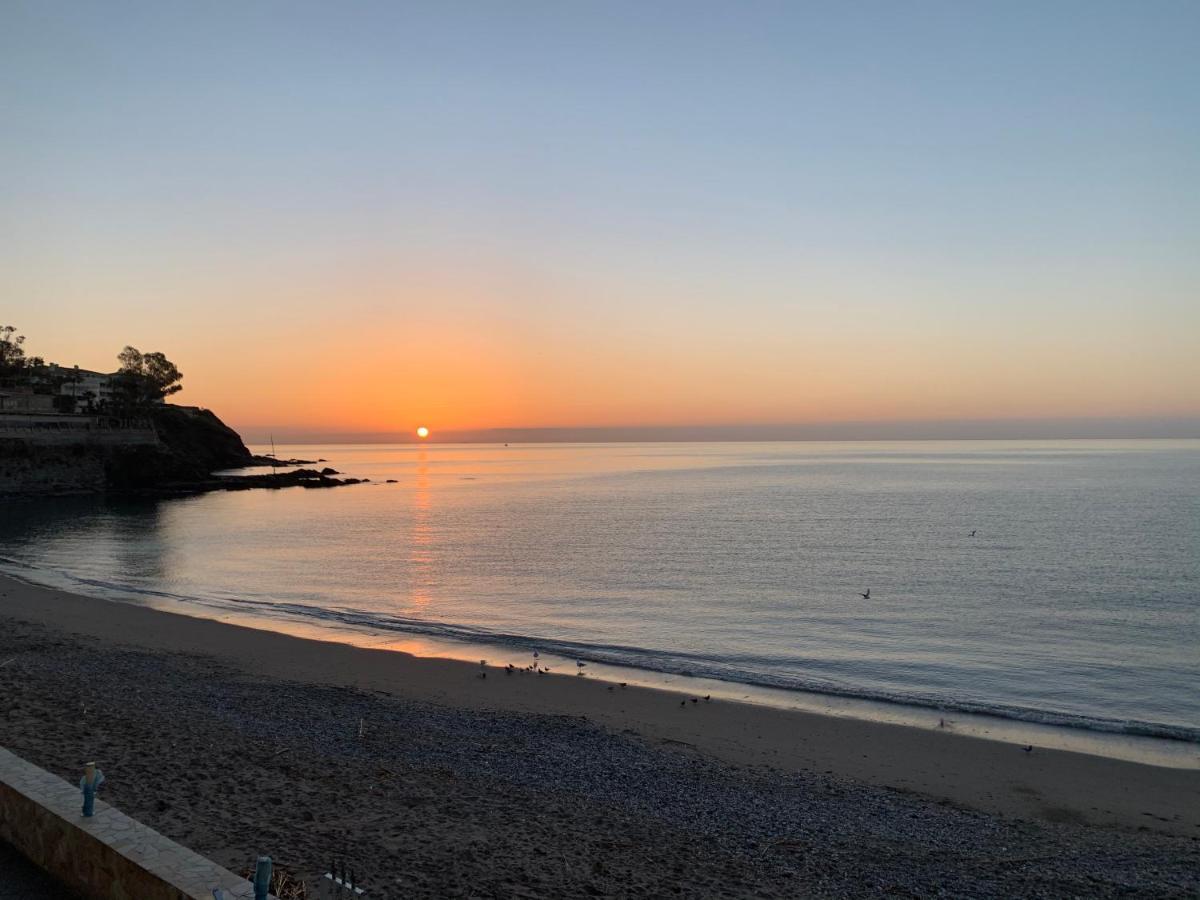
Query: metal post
[[262, 878]]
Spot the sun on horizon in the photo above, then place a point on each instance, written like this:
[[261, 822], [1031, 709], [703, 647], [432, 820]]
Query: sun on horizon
[[422, 431]]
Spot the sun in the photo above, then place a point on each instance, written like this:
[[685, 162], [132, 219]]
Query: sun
[[422, 432]]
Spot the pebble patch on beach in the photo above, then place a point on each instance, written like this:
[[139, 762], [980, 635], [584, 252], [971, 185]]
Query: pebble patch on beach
[[433, 801]]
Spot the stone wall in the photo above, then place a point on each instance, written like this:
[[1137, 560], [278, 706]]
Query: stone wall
[[48, 455], [40, 471], [106, 857], [58, 430]]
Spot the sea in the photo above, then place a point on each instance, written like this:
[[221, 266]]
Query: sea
[[1043, 591]]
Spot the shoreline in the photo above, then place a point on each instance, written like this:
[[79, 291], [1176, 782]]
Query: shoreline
[[1048, 785], [1134, 741]]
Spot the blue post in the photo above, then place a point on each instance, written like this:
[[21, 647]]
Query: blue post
[[262, 878], [89, 784]]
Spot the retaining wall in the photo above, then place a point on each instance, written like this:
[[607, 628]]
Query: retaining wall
[[106, 857]]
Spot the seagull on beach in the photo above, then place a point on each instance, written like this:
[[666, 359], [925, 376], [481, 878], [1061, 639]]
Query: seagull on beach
[[1028, 748], [867, 595], [579, 666]]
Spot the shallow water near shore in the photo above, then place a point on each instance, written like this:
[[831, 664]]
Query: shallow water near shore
[[736, 567]]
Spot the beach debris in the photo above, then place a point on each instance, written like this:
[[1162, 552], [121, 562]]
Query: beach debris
[[623, 685], [611, 688], [362, 728], [683, 703], [89, 784], [284, 884], [695, 699]]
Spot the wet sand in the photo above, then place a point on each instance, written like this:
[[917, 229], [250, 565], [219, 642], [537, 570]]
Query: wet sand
[[437, 782]]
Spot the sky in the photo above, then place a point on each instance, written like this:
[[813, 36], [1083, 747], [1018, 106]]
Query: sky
[[354, 218]]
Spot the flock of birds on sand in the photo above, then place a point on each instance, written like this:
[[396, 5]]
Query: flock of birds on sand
[[580, 665], [537, 668]]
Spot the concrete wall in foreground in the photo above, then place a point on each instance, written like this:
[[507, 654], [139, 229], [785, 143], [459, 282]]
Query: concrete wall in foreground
[[108, 856]]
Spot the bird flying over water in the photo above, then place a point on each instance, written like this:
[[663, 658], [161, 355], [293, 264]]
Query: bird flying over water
[[867, 595], [972, 534]]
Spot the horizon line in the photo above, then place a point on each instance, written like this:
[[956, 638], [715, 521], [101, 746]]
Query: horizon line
[[1081, 428]]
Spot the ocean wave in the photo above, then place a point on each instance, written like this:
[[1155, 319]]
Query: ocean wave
[[646, 659]]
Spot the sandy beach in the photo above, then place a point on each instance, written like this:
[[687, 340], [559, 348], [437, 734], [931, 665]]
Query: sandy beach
[[434, 781]]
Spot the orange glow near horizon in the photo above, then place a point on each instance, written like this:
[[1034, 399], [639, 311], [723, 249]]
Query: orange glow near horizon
[[422, 432], [468, 356]]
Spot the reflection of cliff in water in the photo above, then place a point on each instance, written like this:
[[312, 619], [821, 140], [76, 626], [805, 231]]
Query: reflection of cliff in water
[[112, 534]]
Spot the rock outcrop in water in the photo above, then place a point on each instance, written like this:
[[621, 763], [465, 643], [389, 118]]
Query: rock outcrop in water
[[175, 451]]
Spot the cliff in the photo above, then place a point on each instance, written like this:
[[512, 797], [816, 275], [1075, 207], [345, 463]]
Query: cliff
[[176, 452], [198, 442]]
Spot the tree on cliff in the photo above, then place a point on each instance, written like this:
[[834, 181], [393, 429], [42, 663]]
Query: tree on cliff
[[15, 367], [12, 354], [144, 379]]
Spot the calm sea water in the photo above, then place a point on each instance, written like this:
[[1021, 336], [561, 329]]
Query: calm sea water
[[1077, 602]]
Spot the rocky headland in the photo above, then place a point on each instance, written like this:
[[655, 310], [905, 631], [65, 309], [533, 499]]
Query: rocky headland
[[175, 450]]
